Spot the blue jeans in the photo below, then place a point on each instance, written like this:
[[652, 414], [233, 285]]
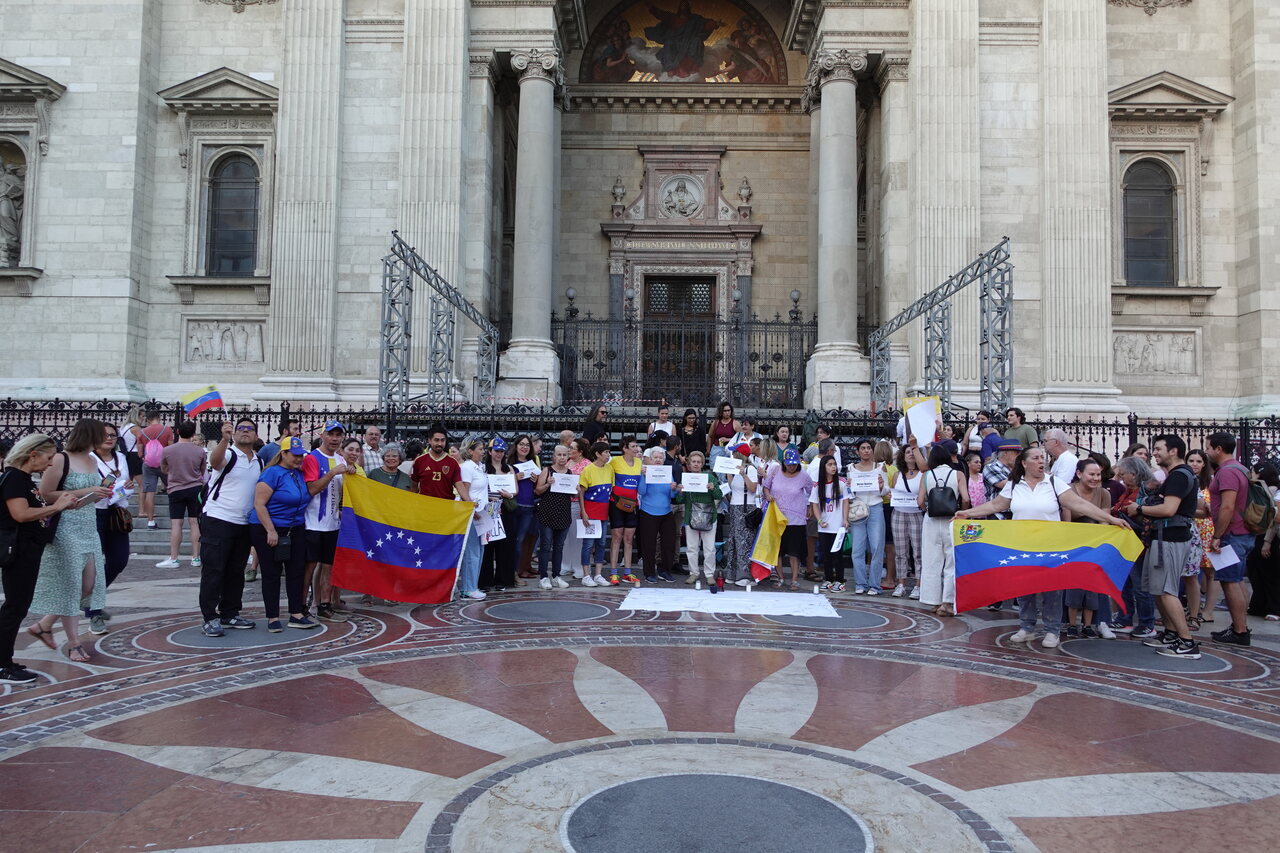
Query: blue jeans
[[1242, 544], [523, 526], [1049, 607], [868, 535], [469, 572], [594, 550], [1137, 601], [550, 551]]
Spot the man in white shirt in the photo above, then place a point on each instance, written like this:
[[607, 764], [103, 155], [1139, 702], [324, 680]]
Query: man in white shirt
[[372, 448], [1059, 448], [224, 543]]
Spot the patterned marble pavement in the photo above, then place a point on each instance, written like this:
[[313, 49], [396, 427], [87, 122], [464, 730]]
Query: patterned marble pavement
[[541, 721]]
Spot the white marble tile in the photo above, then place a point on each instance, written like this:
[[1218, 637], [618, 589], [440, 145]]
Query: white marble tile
[[780, 704], [615, 700]]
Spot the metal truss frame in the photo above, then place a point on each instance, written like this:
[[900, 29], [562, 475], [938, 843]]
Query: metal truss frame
[[994, 271]]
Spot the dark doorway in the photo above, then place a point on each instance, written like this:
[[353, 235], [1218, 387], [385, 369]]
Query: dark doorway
[[679, 349]]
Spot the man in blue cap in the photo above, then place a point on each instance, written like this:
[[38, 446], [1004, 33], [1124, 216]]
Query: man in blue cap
[[322, 470]]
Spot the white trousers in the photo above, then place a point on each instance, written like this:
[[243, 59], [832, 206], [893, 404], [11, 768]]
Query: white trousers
[[938, 574], [701, 543]]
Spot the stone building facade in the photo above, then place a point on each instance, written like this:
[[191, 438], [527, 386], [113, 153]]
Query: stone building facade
[[203, 190]]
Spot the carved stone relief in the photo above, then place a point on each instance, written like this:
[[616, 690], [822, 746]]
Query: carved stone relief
[[1149, 6], [1152, 356], [212, 342], [13, 180], [681, 197]]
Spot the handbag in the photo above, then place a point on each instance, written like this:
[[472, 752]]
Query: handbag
[[755, 518], [858, 510], [284, 548], [120, 519], [940, 501], [702, 516]]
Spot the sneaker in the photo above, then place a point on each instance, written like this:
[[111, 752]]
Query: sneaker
[[899, 591], [871, 590], [97, 625], [613, 580], [995, 606], [475, 595], [560, 582], [825, 586], [274, 626], [237, 622], [167, 564], [601, 580], [915, 594], [837, 587], [196, 562], [1050, 640], [302, 622], [1088, 632], [1073, 632], [588, 580], [213, 629], [544, 583], [630, 578], [1188, 649], [1272, 617], [1020, 636], [17, 674], [666, 577], [151, 525], [648, 579], [1231, 637], [1105, 632], [692, 577], [744, 582], [328, 614], [105, 614], [1221, 605], [1122, 629], [1165, 638], [1142, 633], [577, 575]]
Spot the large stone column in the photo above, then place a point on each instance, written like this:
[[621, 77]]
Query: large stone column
[[529, 369], [304, 274], [1075, 209], [838, 373], [894, 222], [478, 207]]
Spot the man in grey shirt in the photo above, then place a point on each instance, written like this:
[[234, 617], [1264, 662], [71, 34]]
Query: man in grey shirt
[[184, 464]]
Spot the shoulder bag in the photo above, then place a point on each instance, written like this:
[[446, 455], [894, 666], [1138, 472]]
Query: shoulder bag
[[940, 501], [51, 529], [702, 516]]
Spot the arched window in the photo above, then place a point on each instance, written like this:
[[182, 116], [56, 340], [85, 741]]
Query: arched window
[[1150, 225], [233, 217]]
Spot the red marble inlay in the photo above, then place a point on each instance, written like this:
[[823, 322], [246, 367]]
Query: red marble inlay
[[698, 689], [861, 699], [321, 714], [69, 799]]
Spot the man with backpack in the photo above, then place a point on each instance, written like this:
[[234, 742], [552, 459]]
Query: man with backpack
[[1229, 499], [224, 527], [154, 439]]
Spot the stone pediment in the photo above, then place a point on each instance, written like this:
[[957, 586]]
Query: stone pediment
[[223, 90], [23, 84], [1166, 94]]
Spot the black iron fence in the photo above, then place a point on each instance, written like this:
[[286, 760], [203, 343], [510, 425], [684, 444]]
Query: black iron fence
[[1258, 438]]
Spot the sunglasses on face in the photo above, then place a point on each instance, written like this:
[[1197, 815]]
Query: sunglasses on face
[[246, 429]]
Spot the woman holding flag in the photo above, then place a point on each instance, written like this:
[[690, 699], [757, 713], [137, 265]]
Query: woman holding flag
[[1032, 494], [277, 529]]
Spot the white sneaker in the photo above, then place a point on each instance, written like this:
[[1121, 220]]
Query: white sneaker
[[873, 590], [1050, 640], [578, 575], [196, 563], [1105, 632], [743, 582], [545, 583], [476, 594], [915, 594], [899, 591], [587, 580], [560, 582], [601, 580], [167, 564], [151, 525], [1021, 636]]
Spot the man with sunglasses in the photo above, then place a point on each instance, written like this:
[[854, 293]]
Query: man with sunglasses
[[224, 543]]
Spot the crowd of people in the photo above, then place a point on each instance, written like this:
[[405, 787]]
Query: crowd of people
[[598, 512]]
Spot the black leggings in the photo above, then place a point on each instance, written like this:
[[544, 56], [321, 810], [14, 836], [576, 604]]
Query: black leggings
[[19, 588], [662, 553], [269, 569], [833, 565], [115, 551], [498, 565]]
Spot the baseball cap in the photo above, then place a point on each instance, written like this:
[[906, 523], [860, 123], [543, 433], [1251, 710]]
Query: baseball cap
[[949, 445], [790, 457], [1010, 445], [295, 446], [744, 449], [330, 426], [497, 443]]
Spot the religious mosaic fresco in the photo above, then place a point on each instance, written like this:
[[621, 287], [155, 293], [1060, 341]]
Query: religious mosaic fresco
[[683, 41]]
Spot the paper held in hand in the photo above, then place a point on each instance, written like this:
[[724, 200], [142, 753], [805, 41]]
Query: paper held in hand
[[1222, 559], [588, 529], [864, 481], [922, 420], [527, 468], [502, 483], [657, 474], [694, 482], [564, 484], [839, 541], [899, 501], [727, 465]]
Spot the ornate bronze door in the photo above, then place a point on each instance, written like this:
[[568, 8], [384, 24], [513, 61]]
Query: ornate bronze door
[[679, 349]]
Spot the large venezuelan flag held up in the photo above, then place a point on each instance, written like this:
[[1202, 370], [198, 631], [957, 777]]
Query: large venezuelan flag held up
[[200, 400], [764, 556], [399, 545], [1000, 560]]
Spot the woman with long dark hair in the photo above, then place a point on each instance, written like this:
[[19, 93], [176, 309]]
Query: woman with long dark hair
[[1202, 466], [722, 429], [908, 523], [521, 452], [830, 507], [692, 436], [498, 569]]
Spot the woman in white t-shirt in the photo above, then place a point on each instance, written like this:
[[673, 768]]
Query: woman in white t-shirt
[[907, 521], [1033, 495], [867, 534], [829, 506], [477, 484], [744, 496]]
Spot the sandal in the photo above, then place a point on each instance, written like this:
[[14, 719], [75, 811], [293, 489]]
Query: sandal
[[945, 610], [1193, 623], [77, 654], [43, 636]]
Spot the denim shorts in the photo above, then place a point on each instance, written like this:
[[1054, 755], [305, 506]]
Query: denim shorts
[[1242, 544]]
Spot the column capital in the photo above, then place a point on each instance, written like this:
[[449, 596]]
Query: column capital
[[828, 66], [538, 64], [892, 69], [483, 65]]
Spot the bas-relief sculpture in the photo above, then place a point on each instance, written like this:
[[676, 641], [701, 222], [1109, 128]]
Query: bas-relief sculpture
[[1154, 354], [223, 342], [13, 173], [681, 198]]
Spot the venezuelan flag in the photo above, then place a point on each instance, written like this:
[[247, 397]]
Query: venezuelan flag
[[399, 545], [1000, 560], [201, 400], [764, 556]]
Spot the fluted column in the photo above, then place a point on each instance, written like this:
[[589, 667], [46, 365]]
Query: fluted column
[[837, 372], [946, 178], [305, 229], [530, 368], [1075, 205], [478, 207], [895, 214]]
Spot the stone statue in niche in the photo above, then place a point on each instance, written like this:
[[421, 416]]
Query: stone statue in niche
[[1155, 354], [12, 198], [679, 201], [223, 342], [619, 190]]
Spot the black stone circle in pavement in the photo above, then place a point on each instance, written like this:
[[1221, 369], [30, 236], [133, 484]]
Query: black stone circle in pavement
[[845, 620], [1133, 654], [547, 611], [711, 813], [242, 638]]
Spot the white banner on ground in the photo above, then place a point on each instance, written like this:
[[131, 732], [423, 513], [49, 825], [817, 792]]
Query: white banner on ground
[[703, 601]]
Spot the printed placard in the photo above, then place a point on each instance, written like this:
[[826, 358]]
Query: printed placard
[[694, 482]]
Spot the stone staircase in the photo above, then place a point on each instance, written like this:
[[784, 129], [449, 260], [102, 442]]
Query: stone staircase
[[153, 545]]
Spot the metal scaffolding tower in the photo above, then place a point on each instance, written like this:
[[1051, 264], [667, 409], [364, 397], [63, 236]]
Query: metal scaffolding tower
[[400, 269], [994, 272]]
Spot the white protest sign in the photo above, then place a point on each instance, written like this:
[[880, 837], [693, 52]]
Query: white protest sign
[[564, 484], [656, 475], [922, 418], [694, 482]]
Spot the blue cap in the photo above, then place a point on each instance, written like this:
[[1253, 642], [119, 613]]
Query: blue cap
[[295, 446], [496, 443], [330, 426], [790, 457]]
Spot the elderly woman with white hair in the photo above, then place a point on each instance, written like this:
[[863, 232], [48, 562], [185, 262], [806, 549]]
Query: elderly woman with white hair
[[389, 473], [656, 523]]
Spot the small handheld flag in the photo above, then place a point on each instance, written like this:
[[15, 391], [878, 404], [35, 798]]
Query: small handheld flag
[[201, 400]]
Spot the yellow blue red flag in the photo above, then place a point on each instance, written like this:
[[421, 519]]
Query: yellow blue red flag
[[764, 556], [201, 400], [399, 545], [1000, 560]]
